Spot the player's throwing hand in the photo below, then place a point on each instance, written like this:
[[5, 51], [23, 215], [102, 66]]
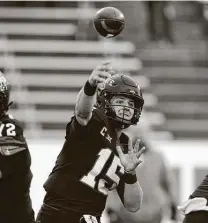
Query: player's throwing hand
[[131, 159], [101, 73]]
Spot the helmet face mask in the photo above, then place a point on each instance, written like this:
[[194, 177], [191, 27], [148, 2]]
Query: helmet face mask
[[123, 107], [127, 87]]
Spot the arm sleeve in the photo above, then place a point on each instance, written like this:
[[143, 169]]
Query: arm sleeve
[[75, 130], [201, 190]]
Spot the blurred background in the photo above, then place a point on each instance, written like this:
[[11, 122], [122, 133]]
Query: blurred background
[[49, 48]]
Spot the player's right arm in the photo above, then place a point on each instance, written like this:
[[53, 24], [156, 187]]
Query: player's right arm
[[86, 97]]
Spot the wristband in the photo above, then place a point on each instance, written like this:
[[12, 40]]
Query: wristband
[[130, 178], [89, 90]]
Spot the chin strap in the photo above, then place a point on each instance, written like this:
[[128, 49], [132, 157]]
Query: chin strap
[[119, 125]]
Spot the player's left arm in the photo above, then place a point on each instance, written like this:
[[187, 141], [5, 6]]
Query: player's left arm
[[129, 189]]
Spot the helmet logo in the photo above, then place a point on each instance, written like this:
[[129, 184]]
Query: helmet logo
[[110, 82]]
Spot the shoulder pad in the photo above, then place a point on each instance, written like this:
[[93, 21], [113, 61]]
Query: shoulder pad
[[100, 115], [9, 118]]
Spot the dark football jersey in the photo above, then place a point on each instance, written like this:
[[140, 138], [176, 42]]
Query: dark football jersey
[[202, 189], [87, 167], [15, 164], [14, 154]]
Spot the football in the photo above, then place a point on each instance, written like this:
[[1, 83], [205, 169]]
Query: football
[[109, 22]]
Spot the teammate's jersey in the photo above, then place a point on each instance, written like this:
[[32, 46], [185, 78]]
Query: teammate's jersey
[[201, 190], [87, 167], [15, 164]]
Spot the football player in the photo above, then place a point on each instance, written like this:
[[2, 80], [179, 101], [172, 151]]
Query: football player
[[195, 208], [92, 162], [15, 161]]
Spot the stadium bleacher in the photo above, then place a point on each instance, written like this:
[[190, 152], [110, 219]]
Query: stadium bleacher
[[51, 69], [178, 74], [38, 44]]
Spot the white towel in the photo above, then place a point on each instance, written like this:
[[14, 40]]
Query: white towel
[[195, 204]]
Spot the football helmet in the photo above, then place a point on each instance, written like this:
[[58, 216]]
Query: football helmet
[[120, 85], [4, 95]]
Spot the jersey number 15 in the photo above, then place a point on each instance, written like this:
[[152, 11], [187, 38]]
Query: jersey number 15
[[104, 177]]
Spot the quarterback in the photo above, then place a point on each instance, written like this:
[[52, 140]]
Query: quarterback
[[93, 161]]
